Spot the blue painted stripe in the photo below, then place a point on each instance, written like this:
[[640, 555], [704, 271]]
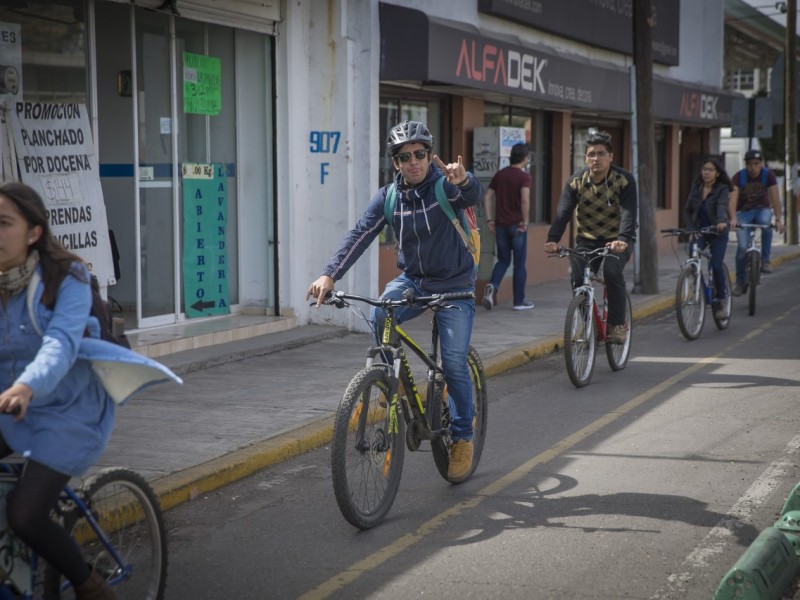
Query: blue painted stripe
[[160, 170], [115, 170]]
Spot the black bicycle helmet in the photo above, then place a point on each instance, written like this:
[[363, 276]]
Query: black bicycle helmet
[[406, 133]]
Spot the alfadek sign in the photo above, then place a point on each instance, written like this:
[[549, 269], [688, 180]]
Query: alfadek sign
[[415, 47]]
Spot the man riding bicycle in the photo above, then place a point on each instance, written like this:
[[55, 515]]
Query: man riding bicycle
[[433, 258], [753, 200], [604, 197]]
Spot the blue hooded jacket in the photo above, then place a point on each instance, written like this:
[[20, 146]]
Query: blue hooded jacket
[[429, 248], [71, 414]]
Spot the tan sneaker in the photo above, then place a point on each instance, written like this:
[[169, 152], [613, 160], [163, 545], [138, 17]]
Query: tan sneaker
[[618, 334], [460, 460]]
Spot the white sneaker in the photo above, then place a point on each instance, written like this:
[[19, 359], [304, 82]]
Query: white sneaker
[[488, 296], [526, 305]]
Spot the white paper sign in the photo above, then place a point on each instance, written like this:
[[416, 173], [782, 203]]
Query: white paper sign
[[56, 157], [10, 62]]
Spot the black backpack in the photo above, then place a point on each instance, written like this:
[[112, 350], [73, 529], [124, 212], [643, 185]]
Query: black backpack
[[104, 312], [101, 310]]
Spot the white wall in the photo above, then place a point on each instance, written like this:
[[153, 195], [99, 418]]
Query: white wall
[[327, 66], [701, 44]]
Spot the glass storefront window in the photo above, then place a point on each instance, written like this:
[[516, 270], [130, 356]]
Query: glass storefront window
[[52, 39], [536, 125]]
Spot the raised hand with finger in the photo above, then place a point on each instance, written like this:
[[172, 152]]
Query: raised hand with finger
[[454, 172]]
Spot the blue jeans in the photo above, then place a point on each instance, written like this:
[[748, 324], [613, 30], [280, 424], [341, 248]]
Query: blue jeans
[[718, 245], [455, 330], [511, 240], [760, 216]]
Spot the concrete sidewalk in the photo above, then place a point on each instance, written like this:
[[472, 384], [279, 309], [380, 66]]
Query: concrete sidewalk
[[250, 404]]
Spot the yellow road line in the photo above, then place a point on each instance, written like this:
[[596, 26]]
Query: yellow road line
[[393, 549]]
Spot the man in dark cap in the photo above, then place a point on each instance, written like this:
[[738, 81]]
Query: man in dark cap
[[753, 200]]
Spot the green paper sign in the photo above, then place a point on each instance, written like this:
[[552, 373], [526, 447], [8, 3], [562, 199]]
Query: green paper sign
[[205, 240], [202, 89]]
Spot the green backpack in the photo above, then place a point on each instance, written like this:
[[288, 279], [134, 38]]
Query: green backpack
[[467, 226]]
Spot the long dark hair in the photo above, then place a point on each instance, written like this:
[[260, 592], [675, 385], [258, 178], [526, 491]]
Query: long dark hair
[[723, 178], [57, 262]]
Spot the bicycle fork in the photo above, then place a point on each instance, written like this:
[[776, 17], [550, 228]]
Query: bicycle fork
[[587, 289], [699, 288]]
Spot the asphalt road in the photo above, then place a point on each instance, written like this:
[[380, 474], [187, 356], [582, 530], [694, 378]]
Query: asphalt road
[[648, 483]]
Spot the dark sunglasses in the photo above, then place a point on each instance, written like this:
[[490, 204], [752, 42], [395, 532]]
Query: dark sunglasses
[[404, 157]]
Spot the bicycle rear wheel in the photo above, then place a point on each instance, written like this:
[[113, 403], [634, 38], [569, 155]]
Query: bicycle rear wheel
[[127, 510], [690, 303], [727, 302], [754, 274], [618, 354], [579, 341], [367, 449], [440, 419]]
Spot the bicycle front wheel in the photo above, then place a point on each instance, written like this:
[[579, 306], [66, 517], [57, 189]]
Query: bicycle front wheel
[[579, 341], [725, 300], [618, 354], [441, 419], [754, 267], [690, 303], [128, 512], [367, 449]]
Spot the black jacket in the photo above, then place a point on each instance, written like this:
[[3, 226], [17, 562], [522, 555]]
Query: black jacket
[[716, 204]]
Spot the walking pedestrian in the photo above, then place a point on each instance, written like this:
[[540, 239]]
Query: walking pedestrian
[[508, 218]]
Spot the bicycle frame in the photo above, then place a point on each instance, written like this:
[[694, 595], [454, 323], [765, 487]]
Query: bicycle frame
[[588, 288], [19, 563], [697, 289], [751, 235], [695, 262], [392, 340]]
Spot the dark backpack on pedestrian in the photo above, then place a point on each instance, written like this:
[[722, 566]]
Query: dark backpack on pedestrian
[[467, 226], [101, 310]]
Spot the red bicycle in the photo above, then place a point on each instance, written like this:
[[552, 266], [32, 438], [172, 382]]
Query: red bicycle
[[586, 324]]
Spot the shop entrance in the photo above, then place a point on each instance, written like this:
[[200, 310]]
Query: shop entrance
[[146, 136]]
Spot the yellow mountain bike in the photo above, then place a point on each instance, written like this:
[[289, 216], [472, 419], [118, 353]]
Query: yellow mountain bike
[[382, 413]]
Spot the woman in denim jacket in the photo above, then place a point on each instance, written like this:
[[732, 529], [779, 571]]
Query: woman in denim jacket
[[54, 410]]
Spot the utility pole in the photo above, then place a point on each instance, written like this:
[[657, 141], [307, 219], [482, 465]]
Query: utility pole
[[790, 110], [643, 68]]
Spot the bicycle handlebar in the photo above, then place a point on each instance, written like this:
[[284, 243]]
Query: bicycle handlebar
[[682, 231], [562, 251], [754, 226], [338, 299]]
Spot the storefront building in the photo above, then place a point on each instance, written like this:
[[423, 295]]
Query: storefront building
[[126, 66], [276, 113], [556, 70]]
